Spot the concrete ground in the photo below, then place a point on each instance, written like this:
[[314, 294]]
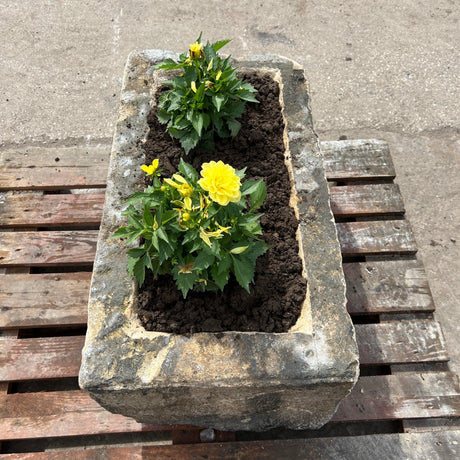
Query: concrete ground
[[377, 69]]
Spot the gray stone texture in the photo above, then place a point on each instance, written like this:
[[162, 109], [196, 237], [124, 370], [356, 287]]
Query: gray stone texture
[[387, 70], [232, 380]]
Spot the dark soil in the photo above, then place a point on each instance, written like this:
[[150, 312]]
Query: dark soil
[[279, 289]]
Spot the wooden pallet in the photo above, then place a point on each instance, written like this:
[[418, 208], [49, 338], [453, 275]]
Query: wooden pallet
[[405, 403]]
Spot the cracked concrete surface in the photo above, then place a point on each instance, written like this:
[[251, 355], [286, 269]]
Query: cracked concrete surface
[[388, 70]]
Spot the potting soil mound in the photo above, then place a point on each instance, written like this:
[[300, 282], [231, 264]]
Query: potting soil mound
[[279, 289]]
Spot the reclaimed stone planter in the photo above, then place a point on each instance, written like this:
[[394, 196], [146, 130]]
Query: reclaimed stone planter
[[230, 380]]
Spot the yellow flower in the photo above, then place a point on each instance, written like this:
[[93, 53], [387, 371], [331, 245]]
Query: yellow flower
[[184, 188], [220, 180], [218, 75], [150, 170], [193, 86], [196, 50]]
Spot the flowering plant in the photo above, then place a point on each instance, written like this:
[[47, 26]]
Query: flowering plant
[[205, 98], [197, 229]]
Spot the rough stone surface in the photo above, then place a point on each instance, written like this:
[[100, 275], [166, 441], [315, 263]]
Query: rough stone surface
[[232, 380]]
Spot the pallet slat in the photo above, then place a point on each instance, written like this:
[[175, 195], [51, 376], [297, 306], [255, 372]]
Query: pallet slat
[[385, 343], [41, 168], [78, 247], [42, 300], [433, 446], [376, 237], [357, 160], [387, 287], [73, 413], [20, 210], [51, 210], [395, 342], [366, 200], [48, 248], [402, 396]]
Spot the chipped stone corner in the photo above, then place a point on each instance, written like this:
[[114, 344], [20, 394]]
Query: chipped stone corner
[[232, 380]]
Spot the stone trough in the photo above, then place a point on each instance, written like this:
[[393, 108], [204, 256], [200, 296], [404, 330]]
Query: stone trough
[[230, 380]]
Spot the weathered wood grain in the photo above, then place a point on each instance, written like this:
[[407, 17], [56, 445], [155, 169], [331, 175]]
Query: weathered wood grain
[[433, 446], [47, 248], [376, 237], [357, 160], [42, 168], [21, 210], [387, 287], [396, 342], [402, 396], [40, 358], [384, 343], [42, 300], [366, 200], [73, 413]]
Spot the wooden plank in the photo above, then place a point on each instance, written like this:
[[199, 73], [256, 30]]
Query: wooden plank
[[402, 396], [387, 287], [376, 237], [62, 413], [48, 248], [73, 413], [44, 300], [420, 425], [384, 343], [395, 342], [20, 210], [433, 446], [366, 200], [359, 159], [40, 358], [43, 168]]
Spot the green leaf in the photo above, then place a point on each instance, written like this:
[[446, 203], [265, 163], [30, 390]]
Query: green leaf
[[188, 171], [243, 268], [136, 252], [257, 197], [203, 260], [122, 232], [247, 96], [234, 126], [197, 122], [218, 100], [134, 236], [163, 116], [218, 45], [184, 281], [249, 186], [189, 141], [148, 218], [136, 268]]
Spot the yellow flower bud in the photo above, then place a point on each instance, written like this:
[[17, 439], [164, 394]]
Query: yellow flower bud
[[185, 216], [196, 50], [193, 86]]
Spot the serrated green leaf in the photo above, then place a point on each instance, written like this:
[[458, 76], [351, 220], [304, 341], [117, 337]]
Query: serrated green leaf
[[136, 252], [189, 141], [218, 45], [188, 171], [134, 236], [136, 268], [243, 270], [247, 96], [148, 217], [185, 282], [234, 126], [203, 260], [257, 196], [163, 116], [122, 232], [218, 100]]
